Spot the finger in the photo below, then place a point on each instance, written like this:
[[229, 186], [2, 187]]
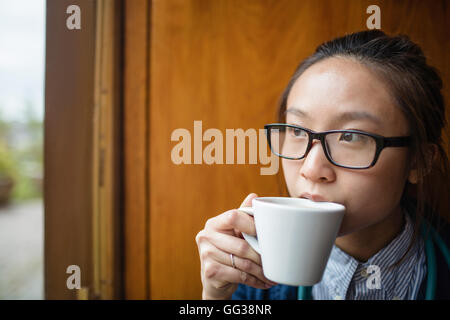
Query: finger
[[251, 268], [234, 245], [233, 220], [209, 251], [248, 200], [229, 274], [246, 203]]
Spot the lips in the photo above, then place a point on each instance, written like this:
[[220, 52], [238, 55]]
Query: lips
[[313, 197]]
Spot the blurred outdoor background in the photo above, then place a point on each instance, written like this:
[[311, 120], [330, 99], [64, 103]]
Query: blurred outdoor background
[[22, 49]]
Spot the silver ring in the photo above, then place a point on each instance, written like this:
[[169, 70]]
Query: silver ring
[[232, 261]]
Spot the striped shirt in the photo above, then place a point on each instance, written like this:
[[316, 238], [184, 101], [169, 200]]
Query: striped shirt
[[347, 278]]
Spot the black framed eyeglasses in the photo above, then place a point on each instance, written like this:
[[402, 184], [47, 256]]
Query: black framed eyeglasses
[[352, 149]]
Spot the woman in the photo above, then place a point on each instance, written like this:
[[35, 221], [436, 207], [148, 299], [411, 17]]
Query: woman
[[380, 87]]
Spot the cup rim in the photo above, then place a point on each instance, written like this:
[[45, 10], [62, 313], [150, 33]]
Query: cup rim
[[313, 205]]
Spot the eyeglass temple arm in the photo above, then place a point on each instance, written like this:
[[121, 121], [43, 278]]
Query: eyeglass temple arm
[[397, 141]]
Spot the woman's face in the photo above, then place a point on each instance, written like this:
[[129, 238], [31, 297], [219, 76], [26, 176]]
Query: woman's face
[[323, 92]]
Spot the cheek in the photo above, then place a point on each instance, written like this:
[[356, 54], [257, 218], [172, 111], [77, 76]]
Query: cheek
[[389, 175], [291, 172], [373, 194]]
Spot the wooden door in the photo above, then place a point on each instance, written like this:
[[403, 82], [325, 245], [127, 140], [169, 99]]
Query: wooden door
[[224, 63], [82, 188]]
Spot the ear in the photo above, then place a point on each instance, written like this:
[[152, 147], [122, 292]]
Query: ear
[[429, 158], [412, 178]]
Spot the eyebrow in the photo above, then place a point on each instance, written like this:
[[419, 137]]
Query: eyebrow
[[343, 117]]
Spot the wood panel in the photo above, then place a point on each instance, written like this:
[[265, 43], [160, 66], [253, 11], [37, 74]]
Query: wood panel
[[107, 178], [82, 150], [225, 63], [136, 70], [68, 137]]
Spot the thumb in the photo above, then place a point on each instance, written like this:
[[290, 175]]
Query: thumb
[[248, 200]]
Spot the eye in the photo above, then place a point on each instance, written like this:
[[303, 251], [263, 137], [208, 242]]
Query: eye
[[296, 132], [352, 137]]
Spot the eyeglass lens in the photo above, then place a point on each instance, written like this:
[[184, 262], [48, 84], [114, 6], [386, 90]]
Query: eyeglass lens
[[344, 148]]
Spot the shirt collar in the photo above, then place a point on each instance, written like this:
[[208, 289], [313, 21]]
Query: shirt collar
[[344, 271]]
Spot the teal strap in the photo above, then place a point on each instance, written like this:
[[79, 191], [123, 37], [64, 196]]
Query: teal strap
[[431, 259], [304, 293], [441, 244]]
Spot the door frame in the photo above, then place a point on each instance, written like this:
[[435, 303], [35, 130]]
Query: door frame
[[82, 151]]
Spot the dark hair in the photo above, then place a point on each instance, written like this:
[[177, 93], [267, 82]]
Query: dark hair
[[416, 89]]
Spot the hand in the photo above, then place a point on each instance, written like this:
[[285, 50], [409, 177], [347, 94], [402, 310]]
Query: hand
[[221, 237]]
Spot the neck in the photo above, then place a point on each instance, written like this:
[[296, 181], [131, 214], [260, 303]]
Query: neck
[[364, 243]]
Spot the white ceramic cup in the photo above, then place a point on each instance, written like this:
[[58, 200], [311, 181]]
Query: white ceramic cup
[[294, 237]]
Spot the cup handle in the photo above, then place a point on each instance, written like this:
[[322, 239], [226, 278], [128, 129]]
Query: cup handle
[[252, 240]]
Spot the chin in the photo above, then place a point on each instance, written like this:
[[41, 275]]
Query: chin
[[348, 228]]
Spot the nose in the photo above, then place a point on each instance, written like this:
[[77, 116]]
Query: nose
[[315, 166]]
